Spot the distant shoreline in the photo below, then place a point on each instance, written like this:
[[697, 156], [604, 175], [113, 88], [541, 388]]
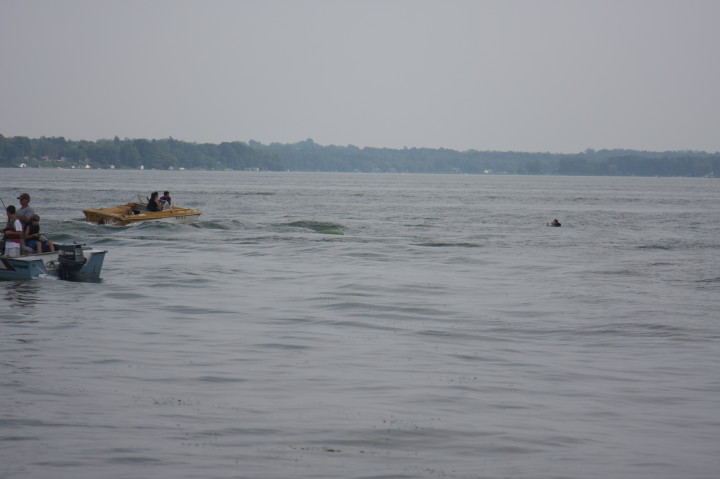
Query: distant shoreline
[[308, 156]]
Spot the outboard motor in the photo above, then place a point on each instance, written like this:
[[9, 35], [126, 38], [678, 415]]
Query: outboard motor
[[71, 260]]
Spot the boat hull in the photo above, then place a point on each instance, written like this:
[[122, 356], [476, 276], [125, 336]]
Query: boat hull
[[129, 213], [41, 265]]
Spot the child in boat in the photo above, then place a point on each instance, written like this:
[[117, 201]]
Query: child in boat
[[166, 198], [12, 233], [33, 238]]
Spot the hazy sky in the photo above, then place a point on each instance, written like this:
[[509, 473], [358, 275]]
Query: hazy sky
[[535, 75]]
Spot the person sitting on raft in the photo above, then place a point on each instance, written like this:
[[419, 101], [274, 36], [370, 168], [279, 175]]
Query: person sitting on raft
[[153, 203], [166, 199], [555, 222]]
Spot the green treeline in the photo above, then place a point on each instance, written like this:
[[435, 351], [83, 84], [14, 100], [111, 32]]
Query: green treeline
[[309, 156], [150, 154]]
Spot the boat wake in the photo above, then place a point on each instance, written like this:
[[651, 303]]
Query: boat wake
[[325, 227]]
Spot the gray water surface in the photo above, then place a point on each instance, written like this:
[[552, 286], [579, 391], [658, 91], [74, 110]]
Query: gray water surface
[[447, 334]]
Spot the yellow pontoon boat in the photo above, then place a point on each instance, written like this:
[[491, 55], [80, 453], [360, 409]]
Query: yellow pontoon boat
[[135, 212]]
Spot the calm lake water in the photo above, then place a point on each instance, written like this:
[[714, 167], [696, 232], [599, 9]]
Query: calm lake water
[[447, 334]]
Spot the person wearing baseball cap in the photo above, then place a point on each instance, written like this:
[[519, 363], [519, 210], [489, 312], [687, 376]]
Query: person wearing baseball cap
[[25, 211]]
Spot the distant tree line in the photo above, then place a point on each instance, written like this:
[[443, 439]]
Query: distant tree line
[[150, 154], [309, 156]]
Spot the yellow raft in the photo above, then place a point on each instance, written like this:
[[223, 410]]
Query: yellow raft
[[136, 212]]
